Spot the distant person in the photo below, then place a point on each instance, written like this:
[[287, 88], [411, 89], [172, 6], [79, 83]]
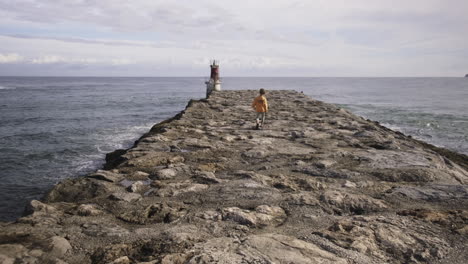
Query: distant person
[[260, 105]]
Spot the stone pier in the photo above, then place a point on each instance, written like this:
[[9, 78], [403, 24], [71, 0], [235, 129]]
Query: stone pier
[[317, 185]]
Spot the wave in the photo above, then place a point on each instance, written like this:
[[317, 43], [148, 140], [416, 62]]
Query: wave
[[6, 88]]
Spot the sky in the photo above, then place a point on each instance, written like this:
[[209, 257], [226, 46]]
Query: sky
[[315, 38]]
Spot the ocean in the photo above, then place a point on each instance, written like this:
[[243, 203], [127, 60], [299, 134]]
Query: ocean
[[53, 128]]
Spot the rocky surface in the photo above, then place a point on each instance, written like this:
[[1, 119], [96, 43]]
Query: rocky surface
[[316, 185]]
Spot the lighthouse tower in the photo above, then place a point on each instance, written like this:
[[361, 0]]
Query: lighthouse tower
[[214, 84]]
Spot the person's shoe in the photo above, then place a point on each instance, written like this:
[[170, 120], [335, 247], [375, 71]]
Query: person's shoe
[[257, 126]]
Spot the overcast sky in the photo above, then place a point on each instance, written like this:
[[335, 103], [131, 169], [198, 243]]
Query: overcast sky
[[249, 38]]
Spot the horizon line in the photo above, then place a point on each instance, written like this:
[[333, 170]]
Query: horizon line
[[106, 76]]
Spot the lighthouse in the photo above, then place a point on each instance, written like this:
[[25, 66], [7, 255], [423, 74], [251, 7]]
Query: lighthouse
[[214, 84]]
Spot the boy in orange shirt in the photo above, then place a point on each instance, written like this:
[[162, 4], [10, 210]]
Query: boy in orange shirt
[[260, 105]]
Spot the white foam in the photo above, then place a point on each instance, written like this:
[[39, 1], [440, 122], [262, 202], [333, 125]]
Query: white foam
[[6, 88]]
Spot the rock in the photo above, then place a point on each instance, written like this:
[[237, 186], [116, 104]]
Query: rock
[[174, 259], [388, 238], [433, 192], [255, 153], [155, 213], [174, 189], [138, 186], [165, 174], [349, 184], [317, 185], [6, 260], [329, 173], [11, 251], [104, 230], [325, 164], [303, 198], [109, 253], [115, 158], [229, 138], [106, 176], [354, 203], [127, 197], [139, 176], [121, 260], [206, 177], [36, 207], [263, 216], [266, 248], [78, 189], [88, 210], [58, 261], [211, 215], [300, 163], [38, 213], [59, 246]]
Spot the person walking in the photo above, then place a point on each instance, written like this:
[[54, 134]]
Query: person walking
[[260, 104]]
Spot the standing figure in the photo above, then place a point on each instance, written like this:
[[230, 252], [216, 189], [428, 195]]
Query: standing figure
[[260, 104]]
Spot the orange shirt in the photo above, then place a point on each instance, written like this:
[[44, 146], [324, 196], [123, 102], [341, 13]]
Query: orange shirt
[[260, 104]]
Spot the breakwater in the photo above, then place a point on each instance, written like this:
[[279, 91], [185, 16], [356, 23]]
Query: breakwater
[[317, 184]]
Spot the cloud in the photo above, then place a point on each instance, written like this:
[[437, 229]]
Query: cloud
[[122, 61], [122, 15], [10, 58], [48, 59], [53, 59], [266, 37]]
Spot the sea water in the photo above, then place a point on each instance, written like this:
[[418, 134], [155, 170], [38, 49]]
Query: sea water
[[53, 128]]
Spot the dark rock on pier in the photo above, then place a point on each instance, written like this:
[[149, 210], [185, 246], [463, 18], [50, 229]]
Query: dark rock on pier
[[316, 185]]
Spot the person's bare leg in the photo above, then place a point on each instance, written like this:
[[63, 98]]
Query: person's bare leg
[[263, 119]]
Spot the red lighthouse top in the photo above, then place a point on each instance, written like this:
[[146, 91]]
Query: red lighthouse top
[[214, 71]]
